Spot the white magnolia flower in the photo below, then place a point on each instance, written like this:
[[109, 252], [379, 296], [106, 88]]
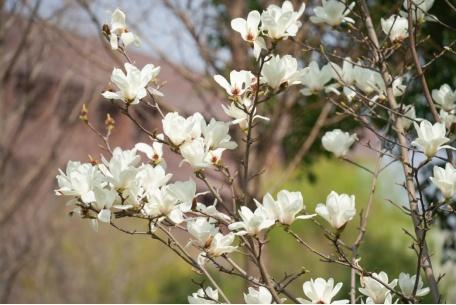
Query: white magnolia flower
[[445, 179], [105, 199], [206, 296], [214, 156], [447, 118], [368, 80], [258, 296], [346, 73], [238, 111], [249, 30], [281, 22], [153, 152], [179, 129], [332, 12], [252, 222], [119, 31], [285, 209], [320, 291], [161, 203], [409, 116], [430, 138], [445, 97], [216, 135], [121, 169], [80, 180], [239, 82], [184, 192], [338, 210], [388, 300], [377, 292], [396, 27], [132, 86], [151, 178], [420, 10], [194, 153], [338, 142], [203, 230], [211, 210], [221, 244], [407, 284], [280, 71], [314, 79]]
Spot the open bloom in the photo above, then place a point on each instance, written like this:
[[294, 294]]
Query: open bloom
[[420, 10], [202, 230], [332, 12], [258, 296], [238, 111], [281, 22], [119, 31], [153, 152], [395, 27], [280, 71], [407, 284], [216, 135], [447, 118], [445, 179], [179, 129], [239, 82], [338, 142], [338, 210], [121, 169], [285, 209], [430, 138], [249, 30], [206, 296], [161, 203], [252, 222], [314, 79], [445, 97], [321, 291], [377, 292], [131, 86], [221, 244], [194, 153]]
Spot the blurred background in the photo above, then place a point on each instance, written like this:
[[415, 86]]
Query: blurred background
[[54, 59]]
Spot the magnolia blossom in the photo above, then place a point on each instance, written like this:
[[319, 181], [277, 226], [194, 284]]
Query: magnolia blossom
[[445, 179], [216, 135], [332, 12], [179, 129], [445, 97], [80, 180], [285, 209], [258, 296], [206, 296], [376, 291], [281, 22], [221, 244], [279, 71], [407, 285], [249, 30], [153, 152], [133, 85], [252, 222], [321, 291], [388, 300], [203, 230], [409, 116], [119, 31], [194, 153], [447, 118], [395, 27], [239, 112], [430, 138], [338, 210], [420, 10], [161, 203], [239, 82], [338, 142], [314, 79]]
